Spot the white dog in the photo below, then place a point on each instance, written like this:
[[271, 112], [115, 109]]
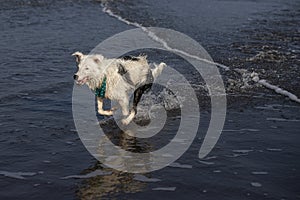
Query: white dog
[[114, 78]]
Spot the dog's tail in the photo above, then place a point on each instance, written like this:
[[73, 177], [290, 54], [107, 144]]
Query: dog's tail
[[158, 69]]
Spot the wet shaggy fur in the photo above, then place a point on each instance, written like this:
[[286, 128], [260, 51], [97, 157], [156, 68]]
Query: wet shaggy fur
[[122, 76]]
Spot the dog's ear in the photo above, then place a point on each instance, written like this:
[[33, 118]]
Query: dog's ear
[[98, 58], [78, 55]]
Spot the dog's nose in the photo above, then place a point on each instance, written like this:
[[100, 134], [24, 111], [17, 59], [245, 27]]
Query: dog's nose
[[75, 77]]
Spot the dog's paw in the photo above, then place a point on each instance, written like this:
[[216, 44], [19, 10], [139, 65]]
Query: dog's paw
[[125, 121], [106, 112]]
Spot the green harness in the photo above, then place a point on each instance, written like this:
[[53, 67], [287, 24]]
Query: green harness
[[100, 92]]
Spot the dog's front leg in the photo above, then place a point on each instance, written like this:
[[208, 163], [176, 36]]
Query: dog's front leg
[[100, 108]]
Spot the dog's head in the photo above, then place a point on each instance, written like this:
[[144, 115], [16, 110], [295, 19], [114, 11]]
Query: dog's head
[[89, 68]]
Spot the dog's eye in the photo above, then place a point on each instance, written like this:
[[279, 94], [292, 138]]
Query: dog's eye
[[86, 68]]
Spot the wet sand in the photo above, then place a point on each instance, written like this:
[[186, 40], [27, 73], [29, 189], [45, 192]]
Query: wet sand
[[257, 154]]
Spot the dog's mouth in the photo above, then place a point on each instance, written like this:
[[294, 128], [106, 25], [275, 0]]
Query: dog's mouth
[[82, 81]]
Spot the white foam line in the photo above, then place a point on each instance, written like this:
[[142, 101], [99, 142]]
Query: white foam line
[[153, 36], [164, 43], [110, 13], [279, 90]]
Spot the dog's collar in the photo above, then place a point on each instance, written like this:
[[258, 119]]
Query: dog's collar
[[100, 92]]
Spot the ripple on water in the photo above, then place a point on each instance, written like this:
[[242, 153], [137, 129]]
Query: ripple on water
[[142, 178], [165, 188], [256, 184], [259, 173], [178, 165], [17, 175], [89, 175]]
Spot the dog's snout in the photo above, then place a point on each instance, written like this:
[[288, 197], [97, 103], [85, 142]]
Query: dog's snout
[[75, 77]]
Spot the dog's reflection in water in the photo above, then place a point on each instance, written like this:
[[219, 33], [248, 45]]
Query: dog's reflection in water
[[113, 182]]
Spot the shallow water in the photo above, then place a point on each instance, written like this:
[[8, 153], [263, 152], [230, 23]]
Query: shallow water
[[42, 155]]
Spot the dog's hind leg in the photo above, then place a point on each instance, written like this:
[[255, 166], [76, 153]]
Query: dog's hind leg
[[136, 99], [124, 103]]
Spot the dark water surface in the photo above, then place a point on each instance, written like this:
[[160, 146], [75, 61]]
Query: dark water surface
[[257, 156]]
